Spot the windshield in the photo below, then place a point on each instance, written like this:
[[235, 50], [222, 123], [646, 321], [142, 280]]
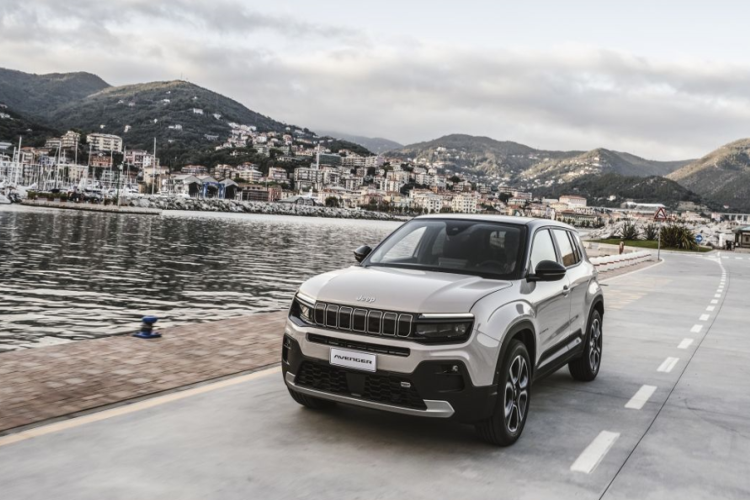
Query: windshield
[[456, 246]]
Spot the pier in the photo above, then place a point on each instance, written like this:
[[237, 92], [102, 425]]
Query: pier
[[92, 207]]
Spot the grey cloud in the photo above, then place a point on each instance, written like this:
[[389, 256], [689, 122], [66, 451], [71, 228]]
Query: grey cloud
[[567, 98]]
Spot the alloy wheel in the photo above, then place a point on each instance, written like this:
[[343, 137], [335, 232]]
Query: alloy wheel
[[516, 393], [595, 345]]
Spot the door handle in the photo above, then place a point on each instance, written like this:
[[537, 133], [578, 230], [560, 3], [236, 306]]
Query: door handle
[[566, 290]]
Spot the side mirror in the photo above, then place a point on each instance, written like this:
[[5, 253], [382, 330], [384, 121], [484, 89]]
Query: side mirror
[[362, 252], [547, 270]]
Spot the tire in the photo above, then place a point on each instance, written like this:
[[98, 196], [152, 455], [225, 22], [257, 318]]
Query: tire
[[311, 402], [506, 424], [586, 367]]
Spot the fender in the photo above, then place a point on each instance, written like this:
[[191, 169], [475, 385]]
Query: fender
[[522, 324]]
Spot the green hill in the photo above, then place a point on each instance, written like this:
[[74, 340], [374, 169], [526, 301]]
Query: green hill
[[722, 175], [599, 188], [17, 125], [35, 96], [481, 155]]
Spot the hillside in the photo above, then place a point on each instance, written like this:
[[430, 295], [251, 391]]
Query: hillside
[[17, 125], [599, 161], [161, 110], [35, 95], [150, 108], [599, 188], [722, 175], [481, 155], [377, 145]]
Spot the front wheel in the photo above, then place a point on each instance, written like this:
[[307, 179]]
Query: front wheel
[[586, 367], [506, 424]]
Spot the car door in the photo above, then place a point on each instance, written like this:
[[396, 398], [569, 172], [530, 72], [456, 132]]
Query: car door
[[550, 300], [578, 280]]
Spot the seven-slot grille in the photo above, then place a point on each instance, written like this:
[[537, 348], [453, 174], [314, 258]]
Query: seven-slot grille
[[365, 321]]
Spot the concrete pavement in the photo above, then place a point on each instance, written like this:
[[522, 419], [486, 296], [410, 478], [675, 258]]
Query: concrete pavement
[[666, 418]]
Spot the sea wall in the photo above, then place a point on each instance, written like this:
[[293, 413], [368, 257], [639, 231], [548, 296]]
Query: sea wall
[[253, 207]]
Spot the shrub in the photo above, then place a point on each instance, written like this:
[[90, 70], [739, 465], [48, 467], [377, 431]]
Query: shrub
[[652, 232], [629, 231], [31, 195], [677, 236]]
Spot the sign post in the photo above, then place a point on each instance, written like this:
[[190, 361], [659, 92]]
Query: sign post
[[660, 216]]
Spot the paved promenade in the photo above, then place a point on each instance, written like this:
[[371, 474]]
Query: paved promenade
[[51, 382]]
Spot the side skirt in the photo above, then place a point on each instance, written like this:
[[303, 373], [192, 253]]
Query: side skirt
[[575, 349]]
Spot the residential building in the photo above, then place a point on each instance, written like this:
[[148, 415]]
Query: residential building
[[70, 139], [277, 174], [573, 201], [104, 142], [100, 160], [464, 203]]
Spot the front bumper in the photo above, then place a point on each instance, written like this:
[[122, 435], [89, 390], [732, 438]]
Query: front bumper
[[437, 389]]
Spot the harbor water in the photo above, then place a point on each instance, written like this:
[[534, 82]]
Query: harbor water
[[69, 275]]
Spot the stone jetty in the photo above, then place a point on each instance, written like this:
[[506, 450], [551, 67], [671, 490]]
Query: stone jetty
[[252, 207]]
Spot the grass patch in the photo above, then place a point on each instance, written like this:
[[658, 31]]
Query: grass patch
[[651, 245]]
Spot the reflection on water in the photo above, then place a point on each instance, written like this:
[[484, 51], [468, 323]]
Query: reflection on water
[[69, 274]]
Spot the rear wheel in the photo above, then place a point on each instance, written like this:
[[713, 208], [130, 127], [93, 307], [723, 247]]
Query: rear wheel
[[586, 367], [311, 402], [506, 424]]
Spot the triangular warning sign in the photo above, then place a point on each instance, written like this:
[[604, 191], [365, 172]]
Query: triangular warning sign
[[660, 214]]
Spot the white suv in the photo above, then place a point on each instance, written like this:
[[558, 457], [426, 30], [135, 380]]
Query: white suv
[[451, 316]]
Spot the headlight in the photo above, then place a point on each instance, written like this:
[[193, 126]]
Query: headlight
[[302, 308], [442, 332]]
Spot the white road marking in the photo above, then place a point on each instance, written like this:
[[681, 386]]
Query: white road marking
[[696, 329], [704, 317], [131, 408], [641, 397], [667, 365], [738, 258], [685, 343], [724, 257], [713, 301], [717, 296], [594, 453], [710, 308]]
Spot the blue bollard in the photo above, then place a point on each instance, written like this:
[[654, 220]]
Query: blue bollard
[[147, 328]]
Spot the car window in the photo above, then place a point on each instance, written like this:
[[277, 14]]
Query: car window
[[567, 253], [477, 247], [542, 249], [576, 239], [406, 247]]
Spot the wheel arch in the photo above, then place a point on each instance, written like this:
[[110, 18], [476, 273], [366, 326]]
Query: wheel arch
[[525, 332]]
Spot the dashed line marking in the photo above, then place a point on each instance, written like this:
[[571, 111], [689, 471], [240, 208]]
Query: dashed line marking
[[595, 452], [704, 317], [714, 301], [685, 343], [710, 308], [696, 329], [667, 365], [641, 397], [717, 296]]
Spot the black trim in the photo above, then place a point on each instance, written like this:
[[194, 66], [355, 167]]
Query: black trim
[[359, 346], [435, 380]]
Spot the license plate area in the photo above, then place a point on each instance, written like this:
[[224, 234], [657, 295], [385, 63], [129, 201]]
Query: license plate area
[[353, 359]]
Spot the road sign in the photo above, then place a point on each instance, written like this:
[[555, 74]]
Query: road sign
[[698, 238], [660, 214]]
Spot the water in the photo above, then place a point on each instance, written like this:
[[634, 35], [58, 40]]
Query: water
[[76, 275]]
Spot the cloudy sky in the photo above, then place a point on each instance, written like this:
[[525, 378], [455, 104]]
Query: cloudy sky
[[665, 80]]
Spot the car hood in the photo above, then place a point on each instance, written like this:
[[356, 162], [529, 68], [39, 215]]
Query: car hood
[[406, 290]]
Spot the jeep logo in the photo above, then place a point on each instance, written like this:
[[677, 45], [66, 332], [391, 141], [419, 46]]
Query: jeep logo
[[362, 298]]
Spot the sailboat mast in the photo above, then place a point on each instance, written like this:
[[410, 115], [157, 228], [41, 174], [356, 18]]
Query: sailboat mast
[[153, 164]]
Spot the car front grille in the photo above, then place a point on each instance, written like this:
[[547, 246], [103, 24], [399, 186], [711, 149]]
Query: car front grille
[[364, 321], [385, 389]]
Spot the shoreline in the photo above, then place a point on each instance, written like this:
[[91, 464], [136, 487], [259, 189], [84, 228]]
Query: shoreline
[[156, 206]]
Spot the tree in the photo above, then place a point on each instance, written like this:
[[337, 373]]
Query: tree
[[455, 179], [332, 202]]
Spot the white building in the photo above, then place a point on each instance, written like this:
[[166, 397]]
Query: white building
[[105, 142], [464, 203], [573, 201]]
